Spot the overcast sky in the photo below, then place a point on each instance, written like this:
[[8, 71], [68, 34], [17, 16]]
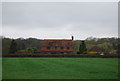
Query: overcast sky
[[59, 20]]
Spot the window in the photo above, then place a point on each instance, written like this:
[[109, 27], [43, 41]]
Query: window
[[68, 47], [48, 47], [55, 47], [62, 47]]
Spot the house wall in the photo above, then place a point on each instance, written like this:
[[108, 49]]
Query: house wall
[[57, 45]]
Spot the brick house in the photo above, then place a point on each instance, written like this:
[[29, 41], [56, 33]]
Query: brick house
[[57, 46]]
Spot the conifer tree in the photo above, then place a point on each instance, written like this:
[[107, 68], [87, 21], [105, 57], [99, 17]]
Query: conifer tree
[[82, 48], [13, 46]]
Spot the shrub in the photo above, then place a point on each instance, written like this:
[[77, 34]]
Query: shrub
[[22, 51], [93, 53]]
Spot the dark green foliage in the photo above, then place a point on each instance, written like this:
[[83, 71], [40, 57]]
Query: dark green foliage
[[13, 46], [6, 46], [109, 45], [76, 45], [34, 49], [118, 49], [115, 44], [23, 46], [82, 48]]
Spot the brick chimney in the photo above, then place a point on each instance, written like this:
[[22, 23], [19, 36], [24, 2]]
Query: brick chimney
[[72, 37]]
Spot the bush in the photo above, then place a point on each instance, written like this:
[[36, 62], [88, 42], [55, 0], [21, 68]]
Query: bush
[[22, 51], [93, 53]]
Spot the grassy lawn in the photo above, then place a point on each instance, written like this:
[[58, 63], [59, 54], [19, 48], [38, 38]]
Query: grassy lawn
[[60, 68], [0, 68]]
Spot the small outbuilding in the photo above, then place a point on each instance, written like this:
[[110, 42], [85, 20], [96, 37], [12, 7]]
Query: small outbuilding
[[96, 49]]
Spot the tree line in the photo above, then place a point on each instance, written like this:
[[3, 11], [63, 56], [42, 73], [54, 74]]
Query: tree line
[[109, 45]]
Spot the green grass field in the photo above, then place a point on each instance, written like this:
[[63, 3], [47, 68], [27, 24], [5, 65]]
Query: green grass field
[[60, 68], [0, 68]]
